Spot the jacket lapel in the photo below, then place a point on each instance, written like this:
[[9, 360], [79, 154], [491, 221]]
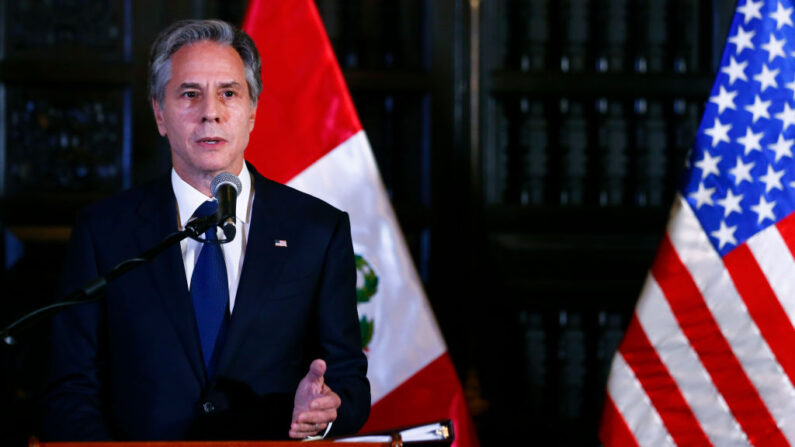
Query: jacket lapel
[[159, 218], [262, 266]]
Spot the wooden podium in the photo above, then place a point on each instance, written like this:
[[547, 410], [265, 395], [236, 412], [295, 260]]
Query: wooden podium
[[435, 434], [396, 442]]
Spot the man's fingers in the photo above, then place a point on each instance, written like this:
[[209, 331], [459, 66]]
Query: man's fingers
[[307, 427], [326, 402], [302, 430], [302, 434], [317, 417]]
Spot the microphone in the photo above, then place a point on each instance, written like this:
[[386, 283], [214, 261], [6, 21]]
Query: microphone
[[225, 188]]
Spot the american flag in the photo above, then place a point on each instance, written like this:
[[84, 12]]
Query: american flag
[[709, 355]]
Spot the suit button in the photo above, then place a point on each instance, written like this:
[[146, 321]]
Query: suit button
[[208, 407]]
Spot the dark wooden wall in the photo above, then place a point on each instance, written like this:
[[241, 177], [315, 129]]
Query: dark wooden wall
[[531, 149]]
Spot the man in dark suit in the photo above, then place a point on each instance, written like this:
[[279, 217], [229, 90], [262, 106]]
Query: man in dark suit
[[254, 339]]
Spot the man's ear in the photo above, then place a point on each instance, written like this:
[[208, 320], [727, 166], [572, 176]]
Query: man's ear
[[251, 118], [159, 119]]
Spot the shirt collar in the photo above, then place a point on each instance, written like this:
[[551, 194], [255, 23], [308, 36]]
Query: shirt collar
[[189, 198]]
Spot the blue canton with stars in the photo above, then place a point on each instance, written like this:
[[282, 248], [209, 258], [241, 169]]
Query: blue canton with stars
[[741, 170]]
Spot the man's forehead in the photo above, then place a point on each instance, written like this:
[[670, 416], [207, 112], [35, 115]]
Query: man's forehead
[[206, 55], [221, 84]]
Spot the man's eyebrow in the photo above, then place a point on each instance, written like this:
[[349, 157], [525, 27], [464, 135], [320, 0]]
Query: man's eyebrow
[[189, 85], [197, 86], [230, 84]]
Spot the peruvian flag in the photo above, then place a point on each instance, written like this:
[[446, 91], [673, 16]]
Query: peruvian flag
[[308, 135]]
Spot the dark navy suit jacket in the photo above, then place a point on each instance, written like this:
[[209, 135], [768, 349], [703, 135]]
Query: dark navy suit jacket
[[130, 366]]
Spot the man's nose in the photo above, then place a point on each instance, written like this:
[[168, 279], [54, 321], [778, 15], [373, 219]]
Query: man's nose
[[212, 110]]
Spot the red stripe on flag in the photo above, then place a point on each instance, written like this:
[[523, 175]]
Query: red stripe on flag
[[613, 430], [786, 227], [763, 306], [661, 388], [431, 394], [304, 110], [701, 329]]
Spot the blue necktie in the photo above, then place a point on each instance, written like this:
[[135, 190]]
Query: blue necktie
[[209, 291]]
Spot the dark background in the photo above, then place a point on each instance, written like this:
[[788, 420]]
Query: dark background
[[531, 149]]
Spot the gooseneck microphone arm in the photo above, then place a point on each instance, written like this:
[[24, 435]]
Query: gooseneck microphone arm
[[93, 290]]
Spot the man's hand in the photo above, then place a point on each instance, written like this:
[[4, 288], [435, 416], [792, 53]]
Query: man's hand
[[315, 405]]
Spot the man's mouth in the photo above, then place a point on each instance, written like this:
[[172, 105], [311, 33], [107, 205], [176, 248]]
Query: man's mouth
[[211, 140]]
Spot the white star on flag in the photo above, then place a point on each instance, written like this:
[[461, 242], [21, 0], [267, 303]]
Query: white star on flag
[[731, 203], [708, 165], [735, 70], [724, 99], [787, 116], [774, 47], [764, 210], [758, 109], [782, 147], [703, 196], [751, 141], [750, 10], [719, 132], [725, 235], [782, 16], [791, 86], [767, 78], [742, 171], [742, 40], [772, 179]]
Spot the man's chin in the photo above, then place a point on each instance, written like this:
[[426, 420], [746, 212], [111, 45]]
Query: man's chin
[[215, 165], [213, 170], [208, 164]]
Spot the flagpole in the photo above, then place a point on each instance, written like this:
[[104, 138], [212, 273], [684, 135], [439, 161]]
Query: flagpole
[[471, 381], [474, 98]]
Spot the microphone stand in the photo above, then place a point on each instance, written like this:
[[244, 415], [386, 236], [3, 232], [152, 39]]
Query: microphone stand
[[92, 290]]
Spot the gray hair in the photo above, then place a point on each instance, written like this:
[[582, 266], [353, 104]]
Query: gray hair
[[186, 32]]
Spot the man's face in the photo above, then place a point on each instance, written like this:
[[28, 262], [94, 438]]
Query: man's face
[[206, 115]]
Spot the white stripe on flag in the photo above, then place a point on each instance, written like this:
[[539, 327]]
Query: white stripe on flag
[[709, 407], [776, 261], [408, 339], [731, 314], [635, 407]]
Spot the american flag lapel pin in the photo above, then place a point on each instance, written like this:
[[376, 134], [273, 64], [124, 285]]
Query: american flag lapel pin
[[280, 243]]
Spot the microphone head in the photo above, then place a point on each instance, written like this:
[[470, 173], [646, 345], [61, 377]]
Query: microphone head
[[225, 178]]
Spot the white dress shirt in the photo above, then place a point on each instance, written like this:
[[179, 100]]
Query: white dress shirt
[[188, 199]]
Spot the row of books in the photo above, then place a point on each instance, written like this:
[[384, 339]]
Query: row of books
[[57, 143], [377, 35], [566, 359], [603, 153], [84, 29], [533, 35], [599, 35]]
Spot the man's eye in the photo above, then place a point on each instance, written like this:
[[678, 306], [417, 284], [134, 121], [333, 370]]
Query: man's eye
[[229, 94], [189, 94]]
